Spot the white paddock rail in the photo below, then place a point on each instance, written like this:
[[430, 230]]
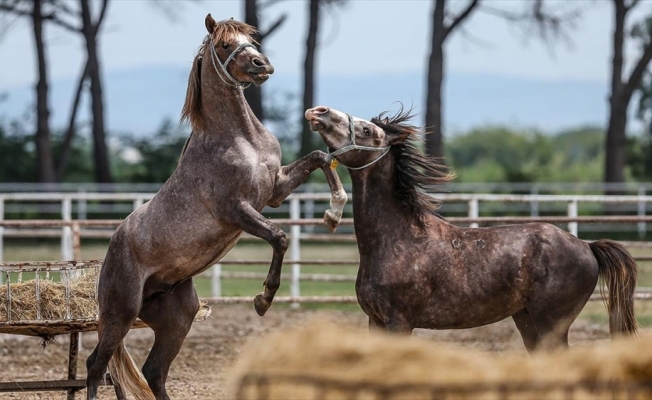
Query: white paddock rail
[[295, 222]]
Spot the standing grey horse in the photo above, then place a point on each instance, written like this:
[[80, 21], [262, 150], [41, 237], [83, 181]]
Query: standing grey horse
[[229, 170], [419, 271]]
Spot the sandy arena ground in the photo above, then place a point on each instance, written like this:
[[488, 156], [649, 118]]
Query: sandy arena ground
[[211, 348]]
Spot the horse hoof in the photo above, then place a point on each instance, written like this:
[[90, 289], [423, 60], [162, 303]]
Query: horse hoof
[[261, 305], [331, 221]]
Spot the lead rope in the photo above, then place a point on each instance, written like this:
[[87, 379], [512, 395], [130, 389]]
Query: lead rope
[[233, 83], [331, 156]]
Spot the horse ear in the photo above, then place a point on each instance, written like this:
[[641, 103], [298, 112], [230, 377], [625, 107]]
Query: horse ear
[[210, 23]]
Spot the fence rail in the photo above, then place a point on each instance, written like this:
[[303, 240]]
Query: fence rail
[[301, 223]]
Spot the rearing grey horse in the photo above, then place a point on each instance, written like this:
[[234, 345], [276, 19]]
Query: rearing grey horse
[[229, 170]]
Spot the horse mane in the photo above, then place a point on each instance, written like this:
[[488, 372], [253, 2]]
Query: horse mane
[[414, 169], [224, 31]]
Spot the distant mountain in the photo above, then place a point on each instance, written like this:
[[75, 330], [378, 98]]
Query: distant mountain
[[137, 100]]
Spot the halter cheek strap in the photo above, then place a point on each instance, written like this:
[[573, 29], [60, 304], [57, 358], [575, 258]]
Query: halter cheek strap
[[233, 82], [353, 146]]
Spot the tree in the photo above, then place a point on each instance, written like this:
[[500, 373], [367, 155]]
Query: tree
[[549, 24], [440, 32], [59, 13], [38, 15], [622, 89], [312, 34], [252, 9], [90, 29]]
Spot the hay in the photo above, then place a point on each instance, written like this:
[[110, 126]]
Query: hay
[[289, 363], [53, 303]]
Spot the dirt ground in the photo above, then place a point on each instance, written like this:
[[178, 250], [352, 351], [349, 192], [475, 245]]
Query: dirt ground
[[210, 350]]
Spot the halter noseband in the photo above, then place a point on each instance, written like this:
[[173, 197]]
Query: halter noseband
[[354, 146], [233, 82]]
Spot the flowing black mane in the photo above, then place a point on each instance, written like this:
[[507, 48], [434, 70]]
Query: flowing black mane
[[414, 169]]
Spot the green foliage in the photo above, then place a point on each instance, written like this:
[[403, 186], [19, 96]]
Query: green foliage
[[485, 154], [156, 157], [639, 156], [17, 158], [80, 166], [500, 154]]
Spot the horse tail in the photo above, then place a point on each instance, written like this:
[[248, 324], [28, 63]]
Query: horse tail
[[619, 273], [126, 374]]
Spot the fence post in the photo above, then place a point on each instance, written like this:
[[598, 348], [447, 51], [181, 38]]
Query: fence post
[[82, 206], [534, 204], [76, 241], [66, 231], [295, 249], [216, 281], [642, 226], [474, 211], [138, 202], [572, 212]]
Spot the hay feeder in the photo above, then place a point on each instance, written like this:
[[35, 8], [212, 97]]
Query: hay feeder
[[46, 299]]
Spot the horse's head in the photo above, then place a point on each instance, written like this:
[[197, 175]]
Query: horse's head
[[356, 142], [231, 49]]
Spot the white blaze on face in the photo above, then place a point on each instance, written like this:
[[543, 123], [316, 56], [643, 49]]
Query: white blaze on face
[[242, 39], [356, 119]]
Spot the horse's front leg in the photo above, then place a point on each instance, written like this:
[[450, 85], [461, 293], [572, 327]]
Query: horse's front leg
[[291, 176], [245, 217]]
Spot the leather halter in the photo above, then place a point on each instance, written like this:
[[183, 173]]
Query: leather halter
[[233, 82], [354, 146]]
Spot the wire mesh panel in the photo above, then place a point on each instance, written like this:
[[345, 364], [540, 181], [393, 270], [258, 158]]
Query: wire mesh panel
[[47, 298]]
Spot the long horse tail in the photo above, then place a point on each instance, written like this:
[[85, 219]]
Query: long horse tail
[[126, 373], [619, 273]]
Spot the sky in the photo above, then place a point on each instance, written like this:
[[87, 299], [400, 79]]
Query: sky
[[362, 38]]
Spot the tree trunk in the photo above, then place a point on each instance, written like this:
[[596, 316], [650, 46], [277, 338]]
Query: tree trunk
[[100, 151], [44, 158], [309, 75], [615, 141], [434, 140], [254, 94], [615, 145]]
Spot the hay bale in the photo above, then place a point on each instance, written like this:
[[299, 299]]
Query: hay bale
[[53, 302], [323, 360]]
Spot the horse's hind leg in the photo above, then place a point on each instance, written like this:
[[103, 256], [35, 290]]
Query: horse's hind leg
[[170, 316], [527, 329], [551, 324], [114, 324]]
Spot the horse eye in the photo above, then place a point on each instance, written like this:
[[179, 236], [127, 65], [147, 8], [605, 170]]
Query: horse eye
[[225, 45], [366, 131]]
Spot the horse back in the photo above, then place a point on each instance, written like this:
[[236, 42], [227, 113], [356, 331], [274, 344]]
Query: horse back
[[457, 278]]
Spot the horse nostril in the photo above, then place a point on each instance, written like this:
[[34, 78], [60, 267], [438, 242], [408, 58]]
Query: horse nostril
[[258, 62], [320, 110]]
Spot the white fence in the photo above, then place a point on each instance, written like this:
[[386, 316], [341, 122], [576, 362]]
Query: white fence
[[301, 209]]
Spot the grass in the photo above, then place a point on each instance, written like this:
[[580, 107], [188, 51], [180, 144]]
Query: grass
[[33, 250]]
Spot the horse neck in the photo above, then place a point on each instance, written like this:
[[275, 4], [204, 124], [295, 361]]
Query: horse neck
[[378, 212], [225, 108]]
